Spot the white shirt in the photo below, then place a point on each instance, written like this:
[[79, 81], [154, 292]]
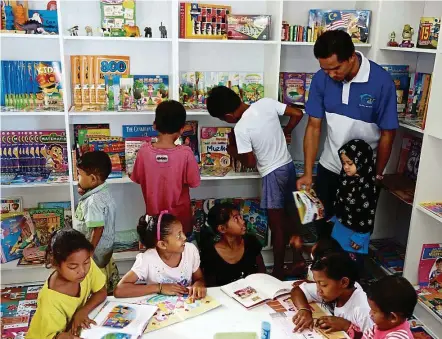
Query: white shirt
[[356, 309], [153, 270], [259, 131]]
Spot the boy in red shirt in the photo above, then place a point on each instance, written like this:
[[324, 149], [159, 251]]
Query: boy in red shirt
[[166, 171]]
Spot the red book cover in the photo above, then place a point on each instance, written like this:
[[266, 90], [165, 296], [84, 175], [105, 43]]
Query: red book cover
[[182, 20]]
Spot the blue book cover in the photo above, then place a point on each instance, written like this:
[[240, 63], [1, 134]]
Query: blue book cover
[[134, 131], [401, 78]]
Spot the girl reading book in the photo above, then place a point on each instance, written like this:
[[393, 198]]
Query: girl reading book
[[336, 288], [72, 291], [236, 255], [170, 265]]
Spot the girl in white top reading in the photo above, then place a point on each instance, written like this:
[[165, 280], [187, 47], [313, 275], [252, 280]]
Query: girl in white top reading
[[170, 265], [336, 288]]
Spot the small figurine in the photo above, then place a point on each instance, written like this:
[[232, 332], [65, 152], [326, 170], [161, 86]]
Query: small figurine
[[88, 30], [392, 42], [407, 34], [105, 32], [73, 30], [163, 31], [131, 31], [148, 32]]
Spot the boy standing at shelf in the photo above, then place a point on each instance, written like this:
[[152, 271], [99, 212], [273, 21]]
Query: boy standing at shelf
[[258, 140], [96, 212]]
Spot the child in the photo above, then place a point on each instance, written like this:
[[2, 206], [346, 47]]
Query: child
[[169, 265], [335, 285], [236, 254], [435, 277], [166, 171], [72, 291], [392, 300], [356, 198], [258, 139], [96, 212]]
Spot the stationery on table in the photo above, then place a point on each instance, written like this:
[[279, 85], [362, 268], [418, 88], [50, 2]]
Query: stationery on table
[[256, 289], [120, 320]]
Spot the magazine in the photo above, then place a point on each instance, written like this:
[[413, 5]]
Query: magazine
[[256, 289], [430, 266], [310, 208], [120, 320]]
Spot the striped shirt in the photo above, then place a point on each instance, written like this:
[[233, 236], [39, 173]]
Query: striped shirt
[[399, 332]]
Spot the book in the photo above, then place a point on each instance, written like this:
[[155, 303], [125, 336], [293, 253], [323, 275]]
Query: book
[[434, 207], [248, 27], [116, 15], [430, 266], [293, 88], [18, 233], [175, 309], [190, 138], [11, 204], [431, 298], [46, 221], [214, 142], [120, 320], [131, 147], [255, 289], [66, 205], [150, 90], [256, 220], [310, 208], [429, 28], [388, 254], [401, 78]]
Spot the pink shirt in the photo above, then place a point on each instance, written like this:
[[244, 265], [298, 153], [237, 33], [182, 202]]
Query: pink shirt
[[399, 332], [165, 176]]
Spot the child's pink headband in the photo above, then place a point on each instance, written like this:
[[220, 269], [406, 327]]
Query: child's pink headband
[[159, 223]]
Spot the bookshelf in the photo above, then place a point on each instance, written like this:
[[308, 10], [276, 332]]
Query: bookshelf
[[172, 55]]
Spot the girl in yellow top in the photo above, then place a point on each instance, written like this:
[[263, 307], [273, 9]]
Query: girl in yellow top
[[63, 303]]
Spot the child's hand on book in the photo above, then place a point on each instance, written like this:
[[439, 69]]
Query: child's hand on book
[[81, 320], [197, 291], [303, 320], [333, 324], [173, 289]]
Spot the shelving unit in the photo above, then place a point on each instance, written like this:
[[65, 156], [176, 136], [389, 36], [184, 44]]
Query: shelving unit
[[172, 55]]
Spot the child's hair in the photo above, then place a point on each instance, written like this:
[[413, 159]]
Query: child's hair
[[221, 101], [96, 162], [393, 294], [170, 117], [220, 214], [147, 228], [63, 243], [438, 260], [326, 246], [337, 266]]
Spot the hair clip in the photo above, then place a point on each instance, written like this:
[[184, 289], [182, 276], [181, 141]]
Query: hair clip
[[159, 223]]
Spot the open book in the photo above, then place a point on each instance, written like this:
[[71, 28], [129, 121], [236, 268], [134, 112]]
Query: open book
[[256, 289], [120, 320]]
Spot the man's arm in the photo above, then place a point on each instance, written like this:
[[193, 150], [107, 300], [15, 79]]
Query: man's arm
[[295, 115], [311, 145], [384, 150]]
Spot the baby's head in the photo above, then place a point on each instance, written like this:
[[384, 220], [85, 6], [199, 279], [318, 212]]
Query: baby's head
[[93, 169], [69, 252], [392, 300], [225, 219], [334, 274], [170, 118], [163, 231], [439, 264], [325, 246], [356, 158]]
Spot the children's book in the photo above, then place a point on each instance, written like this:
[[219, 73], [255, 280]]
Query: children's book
[[11, 204], [131, 148], [388, 254], [294, 88], [310, 208], [432, 298], [430, 266], [401, 78], [120, 320], [256, 220], [434, 207], [190, 138], [46, 221], [429, 29], [17, 233], [135, 131], [33, 256], [117, 15], [150, 90], [175, 309], [66, 205], [255, 289], [214, 142]]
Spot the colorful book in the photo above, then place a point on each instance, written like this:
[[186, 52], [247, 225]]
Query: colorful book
[[131, 147], [429, 28], [214, 142], [256, 220], [150, 90], [135, 131], [310, 208], [11, 204], [434, 207], [46, 221], [430, 266], [401, 78], [65, 205], [190, 138], [116, 15], [18, 233], [294, 88]]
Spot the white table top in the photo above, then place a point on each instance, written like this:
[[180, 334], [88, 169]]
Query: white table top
[[229, 317]]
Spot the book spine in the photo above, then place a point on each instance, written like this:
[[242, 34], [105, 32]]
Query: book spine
[[182, 20]]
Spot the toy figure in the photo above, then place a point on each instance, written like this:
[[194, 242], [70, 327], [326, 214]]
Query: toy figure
[[392, 42], [73, 31], [163, 31], [407, 34], [31, 26], [148, 32], [88, 30], [131, 31], [105, 32]]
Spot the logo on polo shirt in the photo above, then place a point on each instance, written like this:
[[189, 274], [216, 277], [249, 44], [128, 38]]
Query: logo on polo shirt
[[162, 158], [367, 100]]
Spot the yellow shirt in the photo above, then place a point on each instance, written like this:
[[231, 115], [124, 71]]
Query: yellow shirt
[[55, 310]]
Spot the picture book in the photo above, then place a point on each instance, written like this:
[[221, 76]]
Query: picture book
[[33, 256], [251, 87], [429, 29], [79, 127], [309, 207], [294, 88], [248, 27], [214, 142], [190, 138], [131, 131], [84, 134], [430, 266], [66, 205], [409, 157], [131, 148], [11, 204], [203, 21], [120, 320], [388, 254], [418, 329], [116, 15], [256, 220], [112, 90], [434, 207], [127, 100], [46, 221], [431, 298], [401, 78], [17, 233], [256, 289], [150, 90], [355, 22], [175, 309]]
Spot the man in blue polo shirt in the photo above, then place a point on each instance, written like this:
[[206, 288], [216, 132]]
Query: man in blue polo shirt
[[357, 97]]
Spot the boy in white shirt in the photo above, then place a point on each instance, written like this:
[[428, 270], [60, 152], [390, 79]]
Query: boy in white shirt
[[258, 140]]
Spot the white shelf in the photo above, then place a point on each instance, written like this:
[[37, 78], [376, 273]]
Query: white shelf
[[36, 185], [15, 114], [27, 36], [126, 39], [412, 128], [410, 50], [304, 43], [226, 41], [427, 212], [129, 113]]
